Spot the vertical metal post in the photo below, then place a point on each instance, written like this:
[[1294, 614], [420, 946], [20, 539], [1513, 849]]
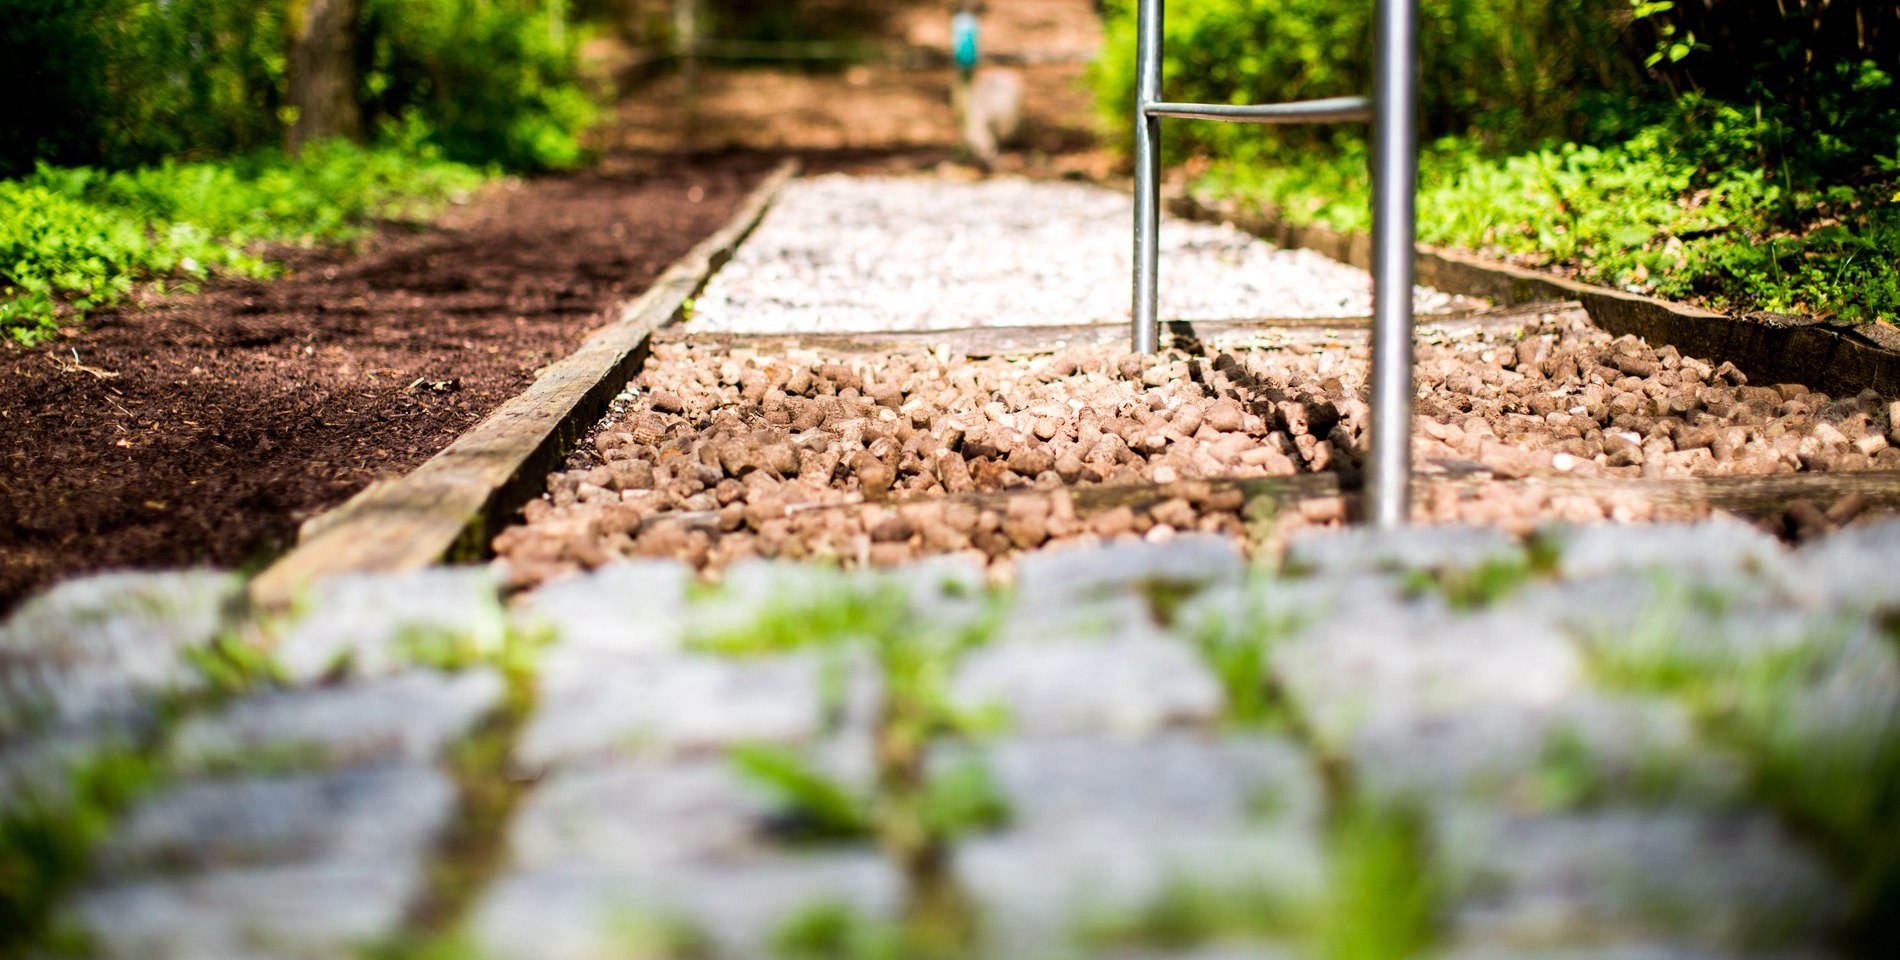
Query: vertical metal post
[[1394, 238], [1146, 336]]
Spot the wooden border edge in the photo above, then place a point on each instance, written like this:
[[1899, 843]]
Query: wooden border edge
[[451, 506], [1840, 358]]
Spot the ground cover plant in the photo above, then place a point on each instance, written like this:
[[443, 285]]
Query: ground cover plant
[[73, 239], [1705, 155]]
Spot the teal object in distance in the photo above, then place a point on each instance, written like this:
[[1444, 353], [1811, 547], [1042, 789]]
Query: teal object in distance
[[963, 39]]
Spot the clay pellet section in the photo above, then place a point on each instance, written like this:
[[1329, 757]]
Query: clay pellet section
[[819, 448]]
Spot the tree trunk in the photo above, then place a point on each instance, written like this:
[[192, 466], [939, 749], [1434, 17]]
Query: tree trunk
[[323, 70]]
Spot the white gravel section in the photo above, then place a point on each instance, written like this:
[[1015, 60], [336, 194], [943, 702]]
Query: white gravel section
[[840, 254]]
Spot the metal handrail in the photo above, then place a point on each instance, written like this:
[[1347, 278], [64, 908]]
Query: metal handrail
[[1331, 110], [1393, 112]]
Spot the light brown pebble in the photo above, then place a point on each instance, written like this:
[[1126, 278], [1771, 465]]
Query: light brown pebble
[[1114, 522]]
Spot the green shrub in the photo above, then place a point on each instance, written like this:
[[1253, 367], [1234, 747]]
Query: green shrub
[[493, 81], [123, 83], [1517, 70], [127, 82]]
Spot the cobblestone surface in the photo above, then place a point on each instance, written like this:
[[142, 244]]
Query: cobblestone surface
[[1142, 751]]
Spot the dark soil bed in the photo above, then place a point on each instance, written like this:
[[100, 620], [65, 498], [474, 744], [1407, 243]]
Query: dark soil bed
[[202, 429]]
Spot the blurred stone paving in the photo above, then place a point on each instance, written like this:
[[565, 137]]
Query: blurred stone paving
[[1643, 741]]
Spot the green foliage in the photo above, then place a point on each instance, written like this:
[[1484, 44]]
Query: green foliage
[[1568, 775], [1473, 588], [1384, 892], [1820, 70], [811, 805], [127, 82], [962, 798], [1517, 69], [493, 81], [956, 799], [1741, 155], [46, 841], [1680, 210], [1190, 913], [231, 667], [843, 612], [75, 239], [122, 83], [832, 930], [1236, 644]]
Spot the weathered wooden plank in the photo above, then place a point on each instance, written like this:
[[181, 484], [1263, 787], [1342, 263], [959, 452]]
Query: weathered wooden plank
[[1030, 340], [1755, 497], [451, 505], [1837, 357]]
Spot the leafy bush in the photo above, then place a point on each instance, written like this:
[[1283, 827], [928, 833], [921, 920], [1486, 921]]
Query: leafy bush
[[72, 239], [1517, 70], [125, 82], [121, 83], [1820, 70], [494, 81]]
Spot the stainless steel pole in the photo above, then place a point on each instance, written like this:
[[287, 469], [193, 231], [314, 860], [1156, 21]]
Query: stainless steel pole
[[1146, 336], [1394, 238]]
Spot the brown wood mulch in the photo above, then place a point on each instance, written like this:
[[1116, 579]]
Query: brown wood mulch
[[202, 429]]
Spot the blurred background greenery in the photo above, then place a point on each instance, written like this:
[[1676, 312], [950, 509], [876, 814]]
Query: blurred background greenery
[[126, 82]]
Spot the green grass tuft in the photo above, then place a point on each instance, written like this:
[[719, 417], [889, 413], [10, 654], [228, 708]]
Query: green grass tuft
[[46, 843], [1384, 898]]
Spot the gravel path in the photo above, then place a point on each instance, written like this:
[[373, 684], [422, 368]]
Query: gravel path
[[842, 254]]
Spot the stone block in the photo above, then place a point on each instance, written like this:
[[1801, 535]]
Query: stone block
[[325, 910], [102, 646], [371, 624], [1065, 578], [1716, 548], [1386, 666], [1588, 750], [1102, 827], [405, 717], [369, 815], [1853, 569], [1127, 686], [599, 851], [629, 607], [1363, 550], [592, 706], [1726, 883]]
